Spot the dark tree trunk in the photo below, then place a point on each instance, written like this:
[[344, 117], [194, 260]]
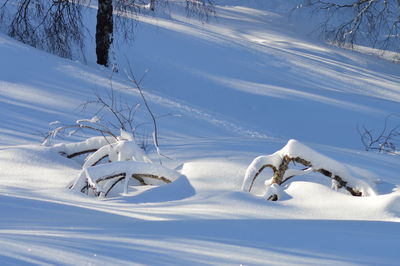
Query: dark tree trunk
[[104, 31], [153, 5]]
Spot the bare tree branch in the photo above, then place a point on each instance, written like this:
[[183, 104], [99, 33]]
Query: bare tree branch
[[387, 140], [360, 22], [54, 26], [131, 77]]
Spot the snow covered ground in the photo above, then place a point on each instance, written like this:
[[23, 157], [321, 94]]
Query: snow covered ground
[[226, 92]]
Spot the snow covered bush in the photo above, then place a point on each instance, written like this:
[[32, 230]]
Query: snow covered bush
[[114, 157], [295, 152]]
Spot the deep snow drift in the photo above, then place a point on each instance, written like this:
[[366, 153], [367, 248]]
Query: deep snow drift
[[225, 92]]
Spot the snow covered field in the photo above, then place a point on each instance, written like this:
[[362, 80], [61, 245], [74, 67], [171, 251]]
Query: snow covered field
[[225, 92]]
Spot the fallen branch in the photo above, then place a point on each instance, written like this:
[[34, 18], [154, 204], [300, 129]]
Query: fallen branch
[[100, 179], [294, 152], [114, 179], [278, 177], [69, 156], [90, 145]]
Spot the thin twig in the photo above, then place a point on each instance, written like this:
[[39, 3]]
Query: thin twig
[[132, 78]]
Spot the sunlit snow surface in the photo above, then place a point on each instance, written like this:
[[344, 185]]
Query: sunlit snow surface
[[227, 92]]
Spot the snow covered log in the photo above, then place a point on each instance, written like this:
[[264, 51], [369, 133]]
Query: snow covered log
[[295, 152], [90, 145], [101, 179], [122, 148]]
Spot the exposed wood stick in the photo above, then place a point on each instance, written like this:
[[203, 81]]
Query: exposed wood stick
[[69, 156], [110, 177], [259, 172], [116, 182], [165, 180], [139, 178], [99, 160]]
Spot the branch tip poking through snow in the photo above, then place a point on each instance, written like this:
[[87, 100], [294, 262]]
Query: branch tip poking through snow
[[93, 120]]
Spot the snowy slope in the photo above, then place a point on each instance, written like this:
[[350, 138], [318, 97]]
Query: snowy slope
[[279, 83], [233, 89]]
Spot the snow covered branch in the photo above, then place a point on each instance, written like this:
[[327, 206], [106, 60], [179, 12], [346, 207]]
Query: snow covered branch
[[295, 152], [101, 179], [112, 114], [126, 162], [71, 150]]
